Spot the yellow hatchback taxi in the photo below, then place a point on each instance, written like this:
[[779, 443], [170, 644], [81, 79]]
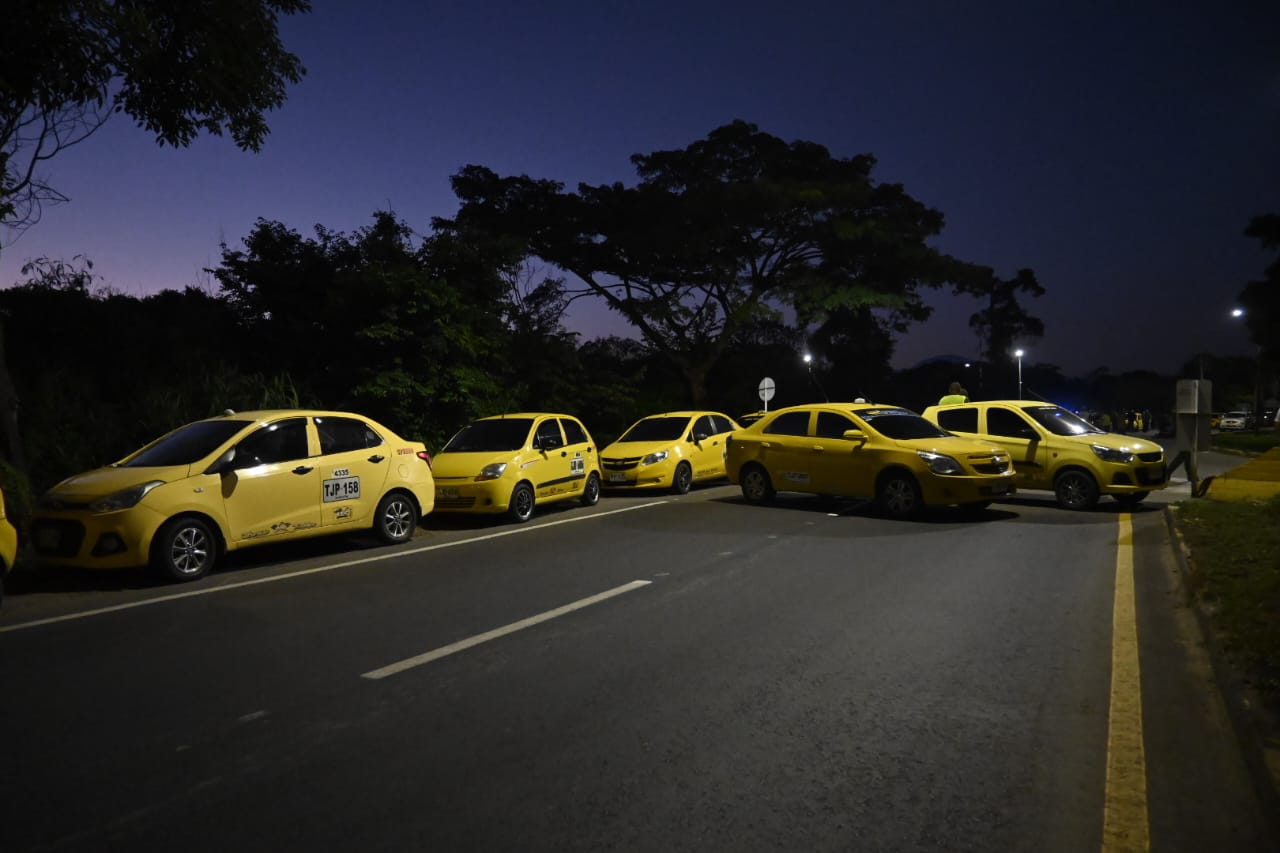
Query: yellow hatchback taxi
[[511, 463], [886, 453], [233, 481], [1055, 449], [668, 451], [8, 545]]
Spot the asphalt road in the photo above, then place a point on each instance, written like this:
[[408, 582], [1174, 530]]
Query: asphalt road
[[655, 673]]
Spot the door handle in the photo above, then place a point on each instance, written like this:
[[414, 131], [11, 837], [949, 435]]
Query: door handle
[[376, 458], [818, 448], [302, 469]]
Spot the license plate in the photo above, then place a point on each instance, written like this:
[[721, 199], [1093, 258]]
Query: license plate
[[342, 489], [446, 492], [617, 477]]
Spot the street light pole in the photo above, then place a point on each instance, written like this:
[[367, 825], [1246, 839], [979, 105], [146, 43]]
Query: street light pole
[[1019, 355], [1257, 379], [808, 362]]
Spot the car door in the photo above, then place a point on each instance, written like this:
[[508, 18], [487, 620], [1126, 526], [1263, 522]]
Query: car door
[[844, 464], [551, 469], [1024, 440], [354, 463], [706, 450], [580, 452], [272, 490], [787, 451]]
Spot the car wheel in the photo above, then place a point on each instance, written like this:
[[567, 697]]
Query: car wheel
[[184, 549], [521, 506], [396, 518], [1132, 499], [756, 487], [591, 493], [1075, 489], [683, 479], [899, 495]]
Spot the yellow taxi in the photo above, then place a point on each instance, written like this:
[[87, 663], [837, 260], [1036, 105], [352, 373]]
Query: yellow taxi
[[1054, 449], [233, 481], [8, 545], [668, 451], [511, 463], [885, 453]]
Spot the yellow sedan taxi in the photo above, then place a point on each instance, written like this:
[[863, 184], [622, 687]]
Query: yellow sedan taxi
[[233, 481], [668, 451], [1055, 449], [886, 453], [8, 545], [512, 463]]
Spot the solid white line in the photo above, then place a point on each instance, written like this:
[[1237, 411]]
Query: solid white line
[[343, 565], [461, 645]]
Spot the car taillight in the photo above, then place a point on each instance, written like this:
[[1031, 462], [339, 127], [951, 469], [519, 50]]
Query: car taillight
[[425, 456]]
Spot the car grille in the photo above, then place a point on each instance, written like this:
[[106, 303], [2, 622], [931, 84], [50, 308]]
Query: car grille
[[1150, 476], [55, 538], [620, 464], [992, 466], [1154, 456], [455, 503]]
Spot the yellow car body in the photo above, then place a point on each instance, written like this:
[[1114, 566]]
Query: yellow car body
[[229, 482], [1056, 450], [8, 545], [512, 463], [672, 451], [886, 453]]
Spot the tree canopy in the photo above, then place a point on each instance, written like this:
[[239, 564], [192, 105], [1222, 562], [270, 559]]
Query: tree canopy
[[722, 234], [177, 68], [1261, 299]]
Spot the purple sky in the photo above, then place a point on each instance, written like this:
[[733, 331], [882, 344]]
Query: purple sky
[[1119, 150]]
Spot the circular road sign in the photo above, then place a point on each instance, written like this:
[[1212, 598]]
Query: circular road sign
[[766, 389]]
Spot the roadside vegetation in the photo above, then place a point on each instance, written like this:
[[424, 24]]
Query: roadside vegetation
[[1247, 441]]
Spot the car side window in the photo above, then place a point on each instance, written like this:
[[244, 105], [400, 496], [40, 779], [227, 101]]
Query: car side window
[[960, 420], [789, 423], [282, 441], [339, 435], [1010, 424], [548, 434], [704, 427], [832, 425], [574, 432], [723, 424]]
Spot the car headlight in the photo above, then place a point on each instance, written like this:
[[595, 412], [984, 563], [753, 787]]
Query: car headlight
[[654, 458], [124, 498], [1107, 454], [940, 463], [492, 471]]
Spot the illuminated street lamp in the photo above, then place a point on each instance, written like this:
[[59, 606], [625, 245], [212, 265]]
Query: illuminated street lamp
[[1018, 354], [808, 362], [1257, 378]]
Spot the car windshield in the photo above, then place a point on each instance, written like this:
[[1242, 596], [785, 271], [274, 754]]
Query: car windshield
[[1059, 421], [186, 445], [657, 429], [490, 436], [900, 424]]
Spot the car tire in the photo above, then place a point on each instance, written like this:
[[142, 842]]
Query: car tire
[[1132, 499], [396, 518], [683, 479], [1075, 489], [898, 495], [591, 492], [184, 549], [522, 499], [756, 486]]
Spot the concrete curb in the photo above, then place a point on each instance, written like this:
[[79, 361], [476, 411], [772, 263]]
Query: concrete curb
[[1257, 734]]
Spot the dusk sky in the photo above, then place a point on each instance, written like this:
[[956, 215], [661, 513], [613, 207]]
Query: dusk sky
[[1117, 149]]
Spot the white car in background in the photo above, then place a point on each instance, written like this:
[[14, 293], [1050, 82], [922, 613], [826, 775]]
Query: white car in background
[[1236, 420]]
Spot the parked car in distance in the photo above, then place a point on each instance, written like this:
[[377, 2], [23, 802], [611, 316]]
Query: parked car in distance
[[233, 481], [1057, 450], [8, 545], [886, 453], [672, 451], [1236, 420], [512, 463]]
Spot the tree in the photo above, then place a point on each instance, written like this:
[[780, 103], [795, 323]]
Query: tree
[[1261, 299], [177, 69], [1002, 321], [718, 235]]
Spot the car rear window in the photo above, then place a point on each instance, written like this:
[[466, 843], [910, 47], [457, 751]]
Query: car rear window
[[186, 445]]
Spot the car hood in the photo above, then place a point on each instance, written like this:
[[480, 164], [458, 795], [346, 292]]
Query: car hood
[[446, 466], [953, 446], [107, 481], [1115, 441], [627, 449]]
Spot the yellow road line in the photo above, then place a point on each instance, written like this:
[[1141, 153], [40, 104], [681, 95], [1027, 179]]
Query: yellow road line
[[1124, 822]]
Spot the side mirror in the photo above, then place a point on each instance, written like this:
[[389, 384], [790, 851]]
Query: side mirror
[[700, 437], [547, 442], [224, 463], [855, 435]]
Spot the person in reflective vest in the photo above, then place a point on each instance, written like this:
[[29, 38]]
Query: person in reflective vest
[[955, 394]]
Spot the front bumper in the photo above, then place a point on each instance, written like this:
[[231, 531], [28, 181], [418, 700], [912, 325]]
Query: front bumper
[[943, 490], [84, 540], [488, 496]]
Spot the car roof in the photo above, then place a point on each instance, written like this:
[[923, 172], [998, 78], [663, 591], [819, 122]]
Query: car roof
[[513, 415]]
